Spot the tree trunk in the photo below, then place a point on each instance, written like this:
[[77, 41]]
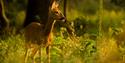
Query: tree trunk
[[4, 23], [37, 10], [100, 17]]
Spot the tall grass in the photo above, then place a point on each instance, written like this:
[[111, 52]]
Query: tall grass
[[87, 49]]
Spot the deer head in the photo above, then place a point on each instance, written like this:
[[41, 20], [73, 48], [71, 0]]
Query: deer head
[[55, 12]]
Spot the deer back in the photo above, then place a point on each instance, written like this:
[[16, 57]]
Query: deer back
[[34, 33]]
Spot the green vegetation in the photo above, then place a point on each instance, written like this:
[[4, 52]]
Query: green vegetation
[[89, 46]]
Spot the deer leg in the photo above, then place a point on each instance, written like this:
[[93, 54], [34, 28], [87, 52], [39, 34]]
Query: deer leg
[[39, 54], [34, 51], [26, 56], [27, 47], [48, 53]]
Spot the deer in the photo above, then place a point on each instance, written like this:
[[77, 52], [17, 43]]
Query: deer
[[38, 35]]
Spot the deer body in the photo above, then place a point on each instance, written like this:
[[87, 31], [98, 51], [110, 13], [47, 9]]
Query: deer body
[[36, 38], [31, 33], [35, 34], [39, 35]]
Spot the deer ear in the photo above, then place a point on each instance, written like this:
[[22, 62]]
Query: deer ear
[[54, 5], [51, 3]]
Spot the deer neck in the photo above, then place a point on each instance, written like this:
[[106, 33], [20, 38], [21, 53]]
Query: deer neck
[[49, 26]]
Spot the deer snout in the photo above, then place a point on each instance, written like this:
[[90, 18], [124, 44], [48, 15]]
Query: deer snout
[[63, 19]]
